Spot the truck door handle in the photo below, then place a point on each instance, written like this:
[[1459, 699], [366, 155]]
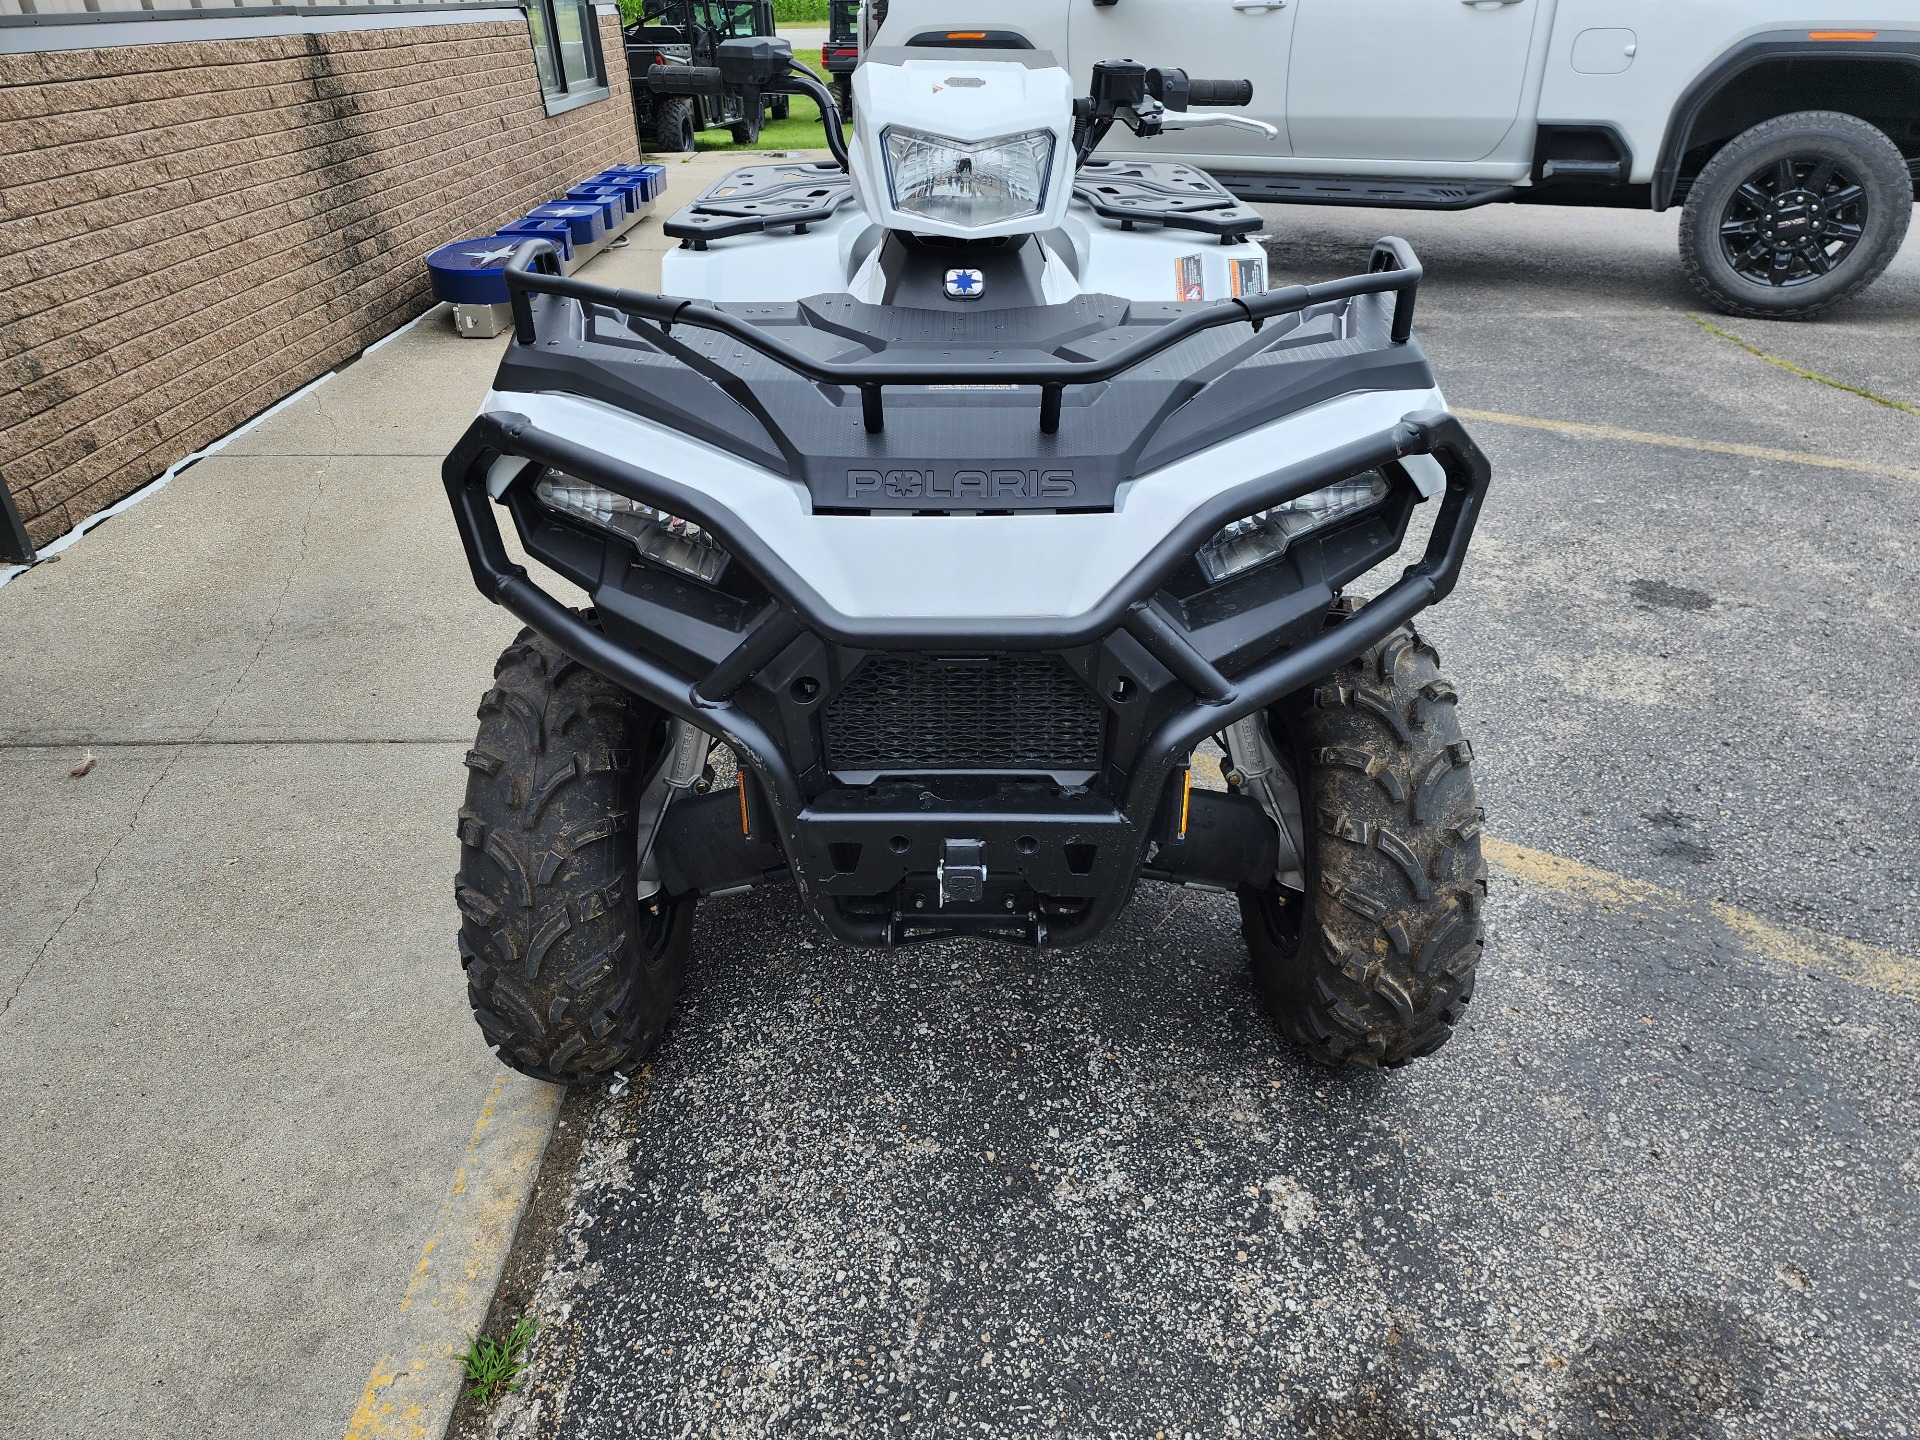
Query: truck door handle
[[1259, 4], [1488, 4]]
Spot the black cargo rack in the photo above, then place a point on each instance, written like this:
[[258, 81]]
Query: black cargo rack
[[534, 269], [1178, 197], [762, 197]]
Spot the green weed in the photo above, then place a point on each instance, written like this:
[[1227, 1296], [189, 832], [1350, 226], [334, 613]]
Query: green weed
[[494, 1366]]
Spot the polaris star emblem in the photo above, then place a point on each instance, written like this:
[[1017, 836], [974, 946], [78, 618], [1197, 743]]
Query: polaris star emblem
[[965, 284]]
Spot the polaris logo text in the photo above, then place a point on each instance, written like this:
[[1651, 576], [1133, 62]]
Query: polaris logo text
[[981, 485]]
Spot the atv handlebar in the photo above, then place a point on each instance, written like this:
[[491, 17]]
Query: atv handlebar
[[533, 269]]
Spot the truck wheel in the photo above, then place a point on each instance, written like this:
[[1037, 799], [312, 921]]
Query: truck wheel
[[1795, 215], [673, 123], [569, 976], [1374, 964]]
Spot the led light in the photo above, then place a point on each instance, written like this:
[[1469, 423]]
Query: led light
[[662, 538], [1266, 535], [971, 184]]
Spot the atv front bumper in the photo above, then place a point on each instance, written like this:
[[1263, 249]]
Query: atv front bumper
[[901, 857]]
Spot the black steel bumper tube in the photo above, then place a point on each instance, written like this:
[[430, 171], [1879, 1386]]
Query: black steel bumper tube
[[1220, 700]]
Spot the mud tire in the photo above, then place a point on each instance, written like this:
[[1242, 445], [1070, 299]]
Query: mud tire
[[569, 977], [1374, 965], [673, 125]]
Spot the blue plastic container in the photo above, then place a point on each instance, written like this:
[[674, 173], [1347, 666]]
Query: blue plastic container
[[651, 178], [611, 199], [468, 272], [587, 220], [624, 198], [558, 231]]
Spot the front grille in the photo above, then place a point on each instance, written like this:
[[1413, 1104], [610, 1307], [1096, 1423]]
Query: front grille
[[1010, 712]]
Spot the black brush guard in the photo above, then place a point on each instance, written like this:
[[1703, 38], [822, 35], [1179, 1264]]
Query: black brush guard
[[810, 836]]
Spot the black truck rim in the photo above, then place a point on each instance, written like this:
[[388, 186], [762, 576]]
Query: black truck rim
[[1793, 220]]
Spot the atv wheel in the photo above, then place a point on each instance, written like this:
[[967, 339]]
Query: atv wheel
[[843, 97], [746, 131], [1374, 964], [1795, 215], [568, 975], [673, 123], [779, 107]]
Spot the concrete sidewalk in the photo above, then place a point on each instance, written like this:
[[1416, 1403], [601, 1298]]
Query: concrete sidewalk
[[255, 1151]]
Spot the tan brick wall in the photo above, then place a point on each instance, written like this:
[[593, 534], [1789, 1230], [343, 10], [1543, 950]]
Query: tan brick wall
[[189, 232]]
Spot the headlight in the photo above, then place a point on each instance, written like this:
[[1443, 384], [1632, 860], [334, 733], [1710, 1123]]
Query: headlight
[[662, 538], [1265, 536], [969, 183]]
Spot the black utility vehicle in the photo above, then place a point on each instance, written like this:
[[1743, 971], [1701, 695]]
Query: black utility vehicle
[[674, 35]]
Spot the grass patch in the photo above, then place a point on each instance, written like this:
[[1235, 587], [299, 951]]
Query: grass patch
[[1801, 371], [493, 1366], [799, 131]]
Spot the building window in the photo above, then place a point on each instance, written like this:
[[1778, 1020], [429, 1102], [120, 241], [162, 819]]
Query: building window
[[566, 46]]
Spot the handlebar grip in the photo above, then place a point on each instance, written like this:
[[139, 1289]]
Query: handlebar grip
[[1219, 92], [685, 80]]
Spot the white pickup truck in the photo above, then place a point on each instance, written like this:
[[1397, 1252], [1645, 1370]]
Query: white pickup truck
[[1788, 129]]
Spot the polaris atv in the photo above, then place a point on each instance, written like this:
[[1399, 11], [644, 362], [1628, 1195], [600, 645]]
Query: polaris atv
[[963, 489]]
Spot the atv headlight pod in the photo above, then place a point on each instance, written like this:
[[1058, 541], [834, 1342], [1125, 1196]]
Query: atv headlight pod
[[968, 183], [662, 538], [1265, 536]]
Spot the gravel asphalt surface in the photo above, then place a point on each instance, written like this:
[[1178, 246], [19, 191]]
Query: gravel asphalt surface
[[1661, 1184]]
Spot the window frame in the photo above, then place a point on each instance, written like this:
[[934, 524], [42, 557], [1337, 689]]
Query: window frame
[[566, 94]]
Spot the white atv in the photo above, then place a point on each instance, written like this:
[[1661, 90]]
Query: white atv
[[964, 489]]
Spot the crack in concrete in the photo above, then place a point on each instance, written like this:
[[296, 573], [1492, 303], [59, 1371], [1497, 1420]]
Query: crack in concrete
[[183, 748]]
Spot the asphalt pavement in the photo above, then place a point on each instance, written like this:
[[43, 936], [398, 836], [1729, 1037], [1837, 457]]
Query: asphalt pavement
[[1662, 1182]]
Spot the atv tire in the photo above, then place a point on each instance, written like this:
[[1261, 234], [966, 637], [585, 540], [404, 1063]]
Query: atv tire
[[779, 107], [746, 131], [673, 123], [568, 975], [1374, 965], [843, 98]]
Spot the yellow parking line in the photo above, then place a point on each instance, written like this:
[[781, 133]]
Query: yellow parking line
[[1792, 945], [413, 1387], [1687, 442]]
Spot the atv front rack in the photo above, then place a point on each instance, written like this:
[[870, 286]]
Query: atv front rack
[[534, 269], [708, 701]]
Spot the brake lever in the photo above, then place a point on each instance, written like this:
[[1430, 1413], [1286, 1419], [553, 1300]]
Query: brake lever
[[1187, 119]]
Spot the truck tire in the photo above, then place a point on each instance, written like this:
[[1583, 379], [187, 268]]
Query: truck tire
[[1374, 964], [673, 123], [1795, 215], [569, 976]]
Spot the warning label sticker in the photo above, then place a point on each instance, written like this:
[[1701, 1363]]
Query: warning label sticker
[[1187, 281], [1249, 276]]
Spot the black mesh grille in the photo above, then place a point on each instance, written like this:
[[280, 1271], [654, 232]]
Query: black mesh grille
[[1011, 712]]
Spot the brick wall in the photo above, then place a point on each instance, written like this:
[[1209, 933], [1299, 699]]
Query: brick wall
[[190, 231]]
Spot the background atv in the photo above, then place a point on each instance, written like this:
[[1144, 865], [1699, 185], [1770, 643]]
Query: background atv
[[682, 33], [841, 53]]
